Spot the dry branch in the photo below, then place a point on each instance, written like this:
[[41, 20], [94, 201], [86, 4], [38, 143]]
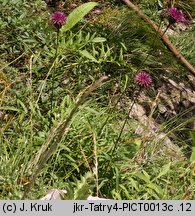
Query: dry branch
[[163, 36]]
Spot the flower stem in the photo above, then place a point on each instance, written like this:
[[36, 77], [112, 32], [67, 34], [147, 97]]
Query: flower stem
[[54, 71], [124, 123], [123, 126]]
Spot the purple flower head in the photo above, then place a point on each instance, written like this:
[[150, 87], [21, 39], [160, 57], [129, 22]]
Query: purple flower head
[[176, 15], [58, 19], [143, 79]]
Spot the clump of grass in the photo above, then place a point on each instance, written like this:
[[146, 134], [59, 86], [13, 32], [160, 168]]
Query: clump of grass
[[184, 43]]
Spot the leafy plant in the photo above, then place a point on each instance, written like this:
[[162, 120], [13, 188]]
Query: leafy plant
[[37, 58], [192, 134]]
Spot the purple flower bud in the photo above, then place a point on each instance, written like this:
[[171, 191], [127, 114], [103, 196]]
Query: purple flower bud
[[58, 19], [143, 79]]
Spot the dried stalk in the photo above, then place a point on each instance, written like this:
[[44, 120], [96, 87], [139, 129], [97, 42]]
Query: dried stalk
[[165, 39]]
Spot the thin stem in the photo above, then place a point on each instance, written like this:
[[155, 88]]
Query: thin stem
[[125, 122], [122, 128], [54, 70], [121, 131], [108, 115], [166, 30]]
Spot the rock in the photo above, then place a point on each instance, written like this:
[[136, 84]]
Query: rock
[[96, 198], [192, 80], [54, 194]]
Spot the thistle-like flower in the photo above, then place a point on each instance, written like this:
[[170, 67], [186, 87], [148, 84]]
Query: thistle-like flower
[[174, 16], [58, 19], [143, 79]]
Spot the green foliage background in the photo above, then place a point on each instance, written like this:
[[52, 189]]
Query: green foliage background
[[113, 44]]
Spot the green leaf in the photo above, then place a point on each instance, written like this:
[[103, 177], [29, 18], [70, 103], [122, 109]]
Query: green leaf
[[164, 170], [126, 192], [143, 176], [23, 106], [146, 175], [192, 134], [134, 184], [84, 186], [77, 14], [137, 142], [86, 54], [99, 40], [192, 157], [9, 108], [156, 188]]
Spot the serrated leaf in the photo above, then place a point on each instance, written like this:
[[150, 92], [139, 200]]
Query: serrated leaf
[[99, 40], [86, 54], [77, 14]]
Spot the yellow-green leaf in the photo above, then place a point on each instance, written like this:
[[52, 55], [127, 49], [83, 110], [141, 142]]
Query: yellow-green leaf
[[77, 14], [87, 55]]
